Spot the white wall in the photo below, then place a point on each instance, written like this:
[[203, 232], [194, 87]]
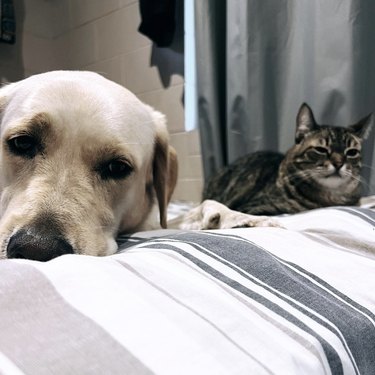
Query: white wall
[[102, 36]]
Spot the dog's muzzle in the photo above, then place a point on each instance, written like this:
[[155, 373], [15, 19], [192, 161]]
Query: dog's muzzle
[[40, 242]]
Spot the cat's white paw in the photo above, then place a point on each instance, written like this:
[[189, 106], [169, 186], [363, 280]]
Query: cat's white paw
[[214, 215]]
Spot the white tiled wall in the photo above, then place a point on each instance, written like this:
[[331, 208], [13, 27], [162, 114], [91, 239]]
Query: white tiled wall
[[102, 36]]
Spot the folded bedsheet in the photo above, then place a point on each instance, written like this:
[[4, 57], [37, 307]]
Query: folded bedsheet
[[298, 300]]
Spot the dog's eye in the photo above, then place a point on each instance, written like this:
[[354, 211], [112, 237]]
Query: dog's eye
[[23, 145], [116, 169]]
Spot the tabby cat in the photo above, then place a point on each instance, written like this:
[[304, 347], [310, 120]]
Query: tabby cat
[[321, 169]]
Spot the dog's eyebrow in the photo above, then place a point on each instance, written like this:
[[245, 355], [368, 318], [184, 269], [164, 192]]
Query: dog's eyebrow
[[108, 153], [37, 125]]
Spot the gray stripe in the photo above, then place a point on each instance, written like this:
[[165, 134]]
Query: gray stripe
[[341, 242], [363, 213], [267, 268], [126, 241], [42, 334], [331, 354], [196, 313], [367, 314], [293, 334]]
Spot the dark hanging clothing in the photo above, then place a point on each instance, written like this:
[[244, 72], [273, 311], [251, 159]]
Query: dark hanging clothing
[[7, 22], [158, 21]]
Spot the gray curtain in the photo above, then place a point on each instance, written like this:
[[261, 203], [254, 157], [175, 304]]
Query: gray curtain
[[258, 60]]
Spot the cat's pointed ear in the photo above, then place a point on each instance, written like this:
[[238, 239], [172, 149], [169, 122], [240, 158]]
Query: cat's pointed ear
[[362, 128], [305, 122]]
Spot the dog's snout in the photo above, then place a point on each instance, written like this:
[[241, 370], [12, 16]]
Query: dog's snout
[[35, 245]]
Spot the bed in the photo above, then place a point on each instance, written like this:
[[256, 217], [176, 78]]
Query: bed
[[293, 300]]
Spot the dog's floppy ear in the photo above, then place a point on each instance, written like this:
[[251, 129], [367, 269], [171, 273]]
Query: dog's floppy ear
[[165, 167]]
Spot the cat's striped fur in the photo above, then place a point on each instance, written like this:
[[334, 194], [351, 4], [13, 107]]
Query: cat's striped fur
[[321, 169]]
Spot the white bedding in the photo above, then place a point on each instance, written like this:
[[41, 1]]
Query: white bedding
[[289, 301]]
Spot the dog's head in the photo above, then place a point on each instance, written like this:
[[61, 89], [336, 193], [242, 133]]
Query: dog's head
[[81, 160]]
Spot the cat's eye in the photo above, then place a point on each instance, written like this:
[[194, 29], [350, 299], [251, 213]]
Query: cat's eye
[[115, 169], [23, 145], [321, 150], [352, 153]]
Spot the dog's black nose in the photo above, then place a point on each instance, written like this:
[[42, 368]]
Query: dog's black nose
[[37, 245]]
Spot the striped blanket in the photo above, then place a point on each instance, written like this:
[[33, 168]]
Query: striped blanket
[[298, 300]]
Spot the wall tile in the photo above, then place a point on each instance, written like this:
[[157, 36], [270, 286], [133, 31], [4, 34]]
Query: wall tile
[[179, 142], [111, 39], [194, 142], [189, 167], [139, 76], [169, 102], [83, 11], [190, 176], [110, 69], [46, 19], [124, 3], [45, 59], [63, 52], [9, 74], [11, 55], [188, 190], [117, 33], [82, 46], [194, 169], [132, 20]]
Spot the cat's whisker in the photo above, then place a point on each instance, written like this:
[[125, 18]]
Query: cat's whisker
[[360, 179], [366, 187], [368, 167], [366, 184]]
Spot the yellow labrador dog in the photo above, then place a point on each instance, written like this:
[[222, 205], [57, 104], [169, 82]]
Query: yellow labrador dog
[[82, 159]]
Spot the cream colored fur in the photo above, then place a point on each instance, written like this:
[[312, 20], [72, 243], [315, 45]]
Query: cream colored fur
[[83, 117]]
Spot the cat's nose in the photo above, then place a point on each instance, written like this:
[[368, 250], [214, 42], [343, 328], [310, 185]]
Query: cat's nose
[[337, 160]]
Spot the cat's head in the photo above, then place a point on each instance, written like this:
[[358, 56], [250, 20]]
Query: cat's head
[[328, 155]]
